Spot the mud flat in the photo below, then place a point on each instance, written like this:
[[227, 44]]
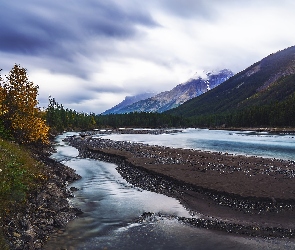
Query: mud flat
[[233, 193]]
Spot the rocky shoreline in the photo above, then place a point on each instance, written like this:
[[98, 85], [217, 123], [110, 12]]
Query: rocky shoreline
[[47, 209], [236, 194]]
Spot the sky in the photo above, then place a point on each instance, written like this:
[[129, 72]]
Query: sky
[[90, 54]]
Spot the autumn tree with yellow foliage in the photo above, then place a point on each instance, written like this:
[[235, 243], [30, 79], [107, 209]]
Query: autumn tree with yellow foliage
[[18, 108]]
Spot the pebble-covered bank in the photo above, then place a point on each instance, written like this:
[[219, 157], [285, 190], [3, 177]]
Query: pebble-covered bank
[[238, 194], [47, 210]]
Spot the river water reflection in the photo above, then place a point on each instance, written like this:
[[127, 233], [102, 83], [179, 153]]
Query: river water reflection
[[112, 206]]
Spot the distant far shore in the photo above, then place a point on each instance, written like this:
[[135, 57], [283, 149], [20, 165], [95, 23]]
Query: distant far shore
[[130, 130], [258, 129]]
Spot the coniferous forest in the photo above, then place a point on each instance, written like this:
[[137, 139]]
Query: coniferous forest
[[279, 114]]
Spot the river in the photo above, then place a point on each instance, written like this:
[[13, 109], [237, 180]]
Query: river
[[112, 207], [264, 144]]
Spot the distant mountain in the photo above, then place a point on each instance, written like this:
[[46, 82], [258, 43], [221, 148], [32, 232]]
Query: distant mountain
[[126, 102], [266, 85], [199, 84]]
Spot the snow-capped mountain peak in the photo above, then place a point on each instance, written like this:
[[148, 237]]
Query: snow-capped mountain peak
[[203, 74], [201, 82]]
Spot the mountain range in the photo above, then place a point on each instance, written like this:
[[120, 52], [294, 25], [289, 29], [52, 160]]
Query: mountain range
[[260, 96], [126, 102], [199, 84], [265, 83]]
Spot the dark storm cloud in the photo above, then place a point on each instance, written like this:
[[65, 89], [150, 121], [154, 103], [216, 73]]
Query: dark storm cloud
[[105, 88], [58, 28]]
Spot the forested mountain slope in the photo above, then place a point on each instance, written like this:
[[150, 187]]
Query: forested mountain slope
[[266, 86]]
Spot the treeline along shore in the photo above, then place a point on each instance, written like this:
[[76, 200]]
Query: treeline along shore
[[233, 193]]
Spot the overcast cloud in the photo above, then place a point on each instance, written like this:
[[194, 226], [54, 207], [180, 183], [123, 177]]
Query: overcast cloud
[[90, 54]]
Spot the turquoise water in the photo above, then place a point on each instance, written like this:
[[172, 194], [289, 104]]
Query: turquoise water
[[263, 144], [112, 206]]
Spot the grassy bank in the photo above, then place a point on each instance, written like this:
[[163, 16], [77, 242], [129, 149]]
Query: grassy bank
[[19, 173]]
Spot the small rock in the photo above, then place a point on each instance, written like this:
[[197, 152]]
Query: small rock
[[38, 245], [15, 234], [74, 189]]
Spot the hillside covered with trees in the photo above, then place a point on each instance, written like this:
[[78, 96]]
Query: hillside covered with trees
[[261, 95]]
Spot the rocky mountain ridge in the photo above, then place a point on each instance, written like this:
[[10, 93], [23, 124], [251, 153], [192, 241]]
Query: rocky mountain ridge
[[199, 84], [129, 100]]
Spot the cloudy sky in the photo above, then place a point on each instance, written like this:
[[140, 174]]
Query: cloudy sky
[[90, 54]]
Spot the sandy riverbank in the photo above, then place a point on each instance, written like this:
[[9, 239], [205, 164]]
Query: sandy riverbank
[[246, 195]]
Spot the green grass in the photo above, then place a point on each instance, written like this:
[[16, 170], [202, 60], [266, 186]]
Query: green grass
[[19, 173]]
